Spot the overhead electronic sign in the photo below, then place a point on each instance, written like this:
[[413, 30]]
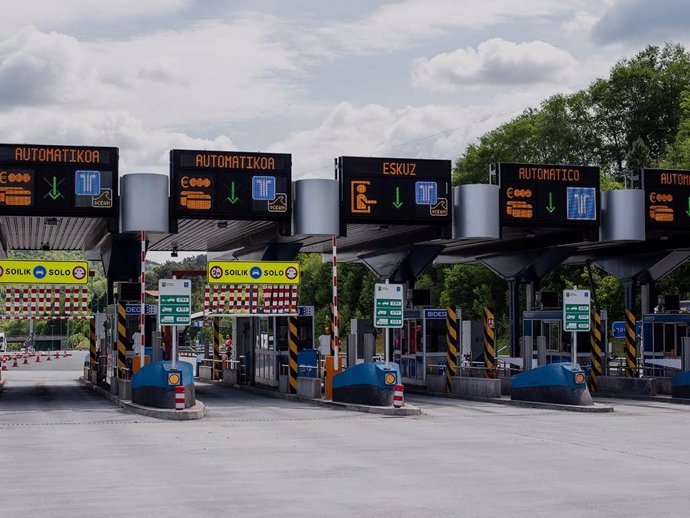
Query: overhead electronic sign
[[401, 191], [231, 185], [58, 180], [548, 195], [667, 198]]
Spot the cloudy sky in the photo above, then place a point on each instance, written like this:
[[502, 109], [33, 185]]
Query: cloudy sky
[[315, 78]]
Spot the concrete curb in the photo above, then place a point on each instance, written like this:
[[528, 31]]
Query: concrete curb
[[653, 399], [596, 409], [198, 411], [407, 410], [2, 384]]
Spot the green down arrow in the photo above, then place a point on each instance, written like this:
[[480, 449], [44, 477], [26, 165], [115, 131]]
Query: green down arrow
[[688, 209], [232, 198], [397, 203], [550, 207], [54, 193]]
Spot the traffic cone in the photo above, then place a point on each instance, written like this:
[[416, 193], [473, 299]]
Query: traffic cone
[[38, 357], [3, 361], [15, 364], [57, 354], [26, 360], [48, 356]]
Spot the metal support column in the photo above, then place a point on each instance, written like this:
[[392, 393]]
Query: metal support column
[[595, 341], [292, 350], [630, 345], [514, 317], [452, 346], [489, 343], [216, 373]]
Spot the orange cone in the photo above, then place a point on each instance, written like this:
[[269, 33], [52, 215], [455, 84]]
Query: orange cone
[[48, 356], [15, 364], [38, 357]]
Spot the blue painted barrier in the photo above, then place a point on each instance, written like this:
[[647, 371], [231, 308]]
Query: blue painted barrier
[[150, 384], [562, 383], [369, 383]]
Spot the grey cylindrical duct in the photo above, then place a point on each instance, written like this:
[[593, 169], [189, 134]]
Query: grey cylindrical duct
[[144, 203], [622, 215], [316, 207], [475, 212]]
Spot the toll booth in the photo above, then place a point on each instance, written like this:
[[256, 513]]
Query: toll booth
[[543, 333], [664, 336], [128, 294], [420, 346], [261, 345]]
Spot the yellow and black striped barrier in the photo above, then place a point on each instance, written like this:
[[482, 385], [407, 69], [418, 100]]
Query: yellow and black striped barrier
[[292, 351], [489, 343], [630, 345], [452, 346], [122, 370], [216, 349], [595, 341], [93, 363]]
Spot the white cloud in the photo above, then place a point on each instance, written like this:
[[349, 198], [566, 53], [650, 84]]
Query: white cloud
[[494, 61], [142, 148], [210, 73], [399, 25], [39, 68], [51, 14], [433, 131], [581, 22], [642, 20]]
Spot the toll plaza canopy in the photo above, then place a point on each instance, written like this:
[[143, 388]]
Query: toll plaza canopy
[[246, 204], [57, 197]]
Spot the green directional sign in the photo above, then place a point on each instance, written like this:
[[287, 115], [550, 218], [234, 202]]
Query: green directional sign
[[576, 310], [388, 305], [175, 302]]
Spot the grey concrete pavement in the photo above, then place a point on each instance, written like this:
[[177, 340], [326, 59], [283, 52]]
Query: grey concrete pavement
[[254, 456]]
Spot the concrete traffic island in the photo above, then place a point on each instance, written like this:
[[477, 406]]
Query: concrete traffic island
[[476, 387], [556, 383], [406, 410], [197, 411], [622, 386]]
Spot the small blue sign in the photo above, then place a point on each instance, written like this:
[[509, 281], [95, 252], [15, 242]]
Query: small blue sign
[[618, 329], [426, 193], [582, 203], [255, 272], [87, 183], [40, 272], [435, 314], [264, 188]]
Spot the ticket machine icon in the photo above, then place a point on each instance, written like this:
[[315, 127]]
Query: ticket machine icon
[[359, 202]]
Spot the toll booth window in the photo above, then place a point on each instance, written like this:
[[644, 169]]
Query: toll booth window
[[658, 338], [281, 334], [436, 336], [412, 337], [670, 339], [553, 336]]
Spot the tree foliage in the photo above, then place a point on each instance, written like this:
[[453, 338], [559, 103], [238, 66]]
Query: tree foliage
[[619, 122]]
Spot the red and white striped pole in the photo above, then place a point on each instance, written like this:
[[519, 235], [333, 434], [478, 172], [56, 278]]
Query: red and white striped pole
[[142, 316], [179, 397], [398, 398], [336, 340]]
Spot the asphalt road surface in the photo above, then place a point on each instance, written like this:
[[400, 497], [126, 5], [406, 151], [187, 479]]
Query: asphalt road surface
[[66, 452]]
